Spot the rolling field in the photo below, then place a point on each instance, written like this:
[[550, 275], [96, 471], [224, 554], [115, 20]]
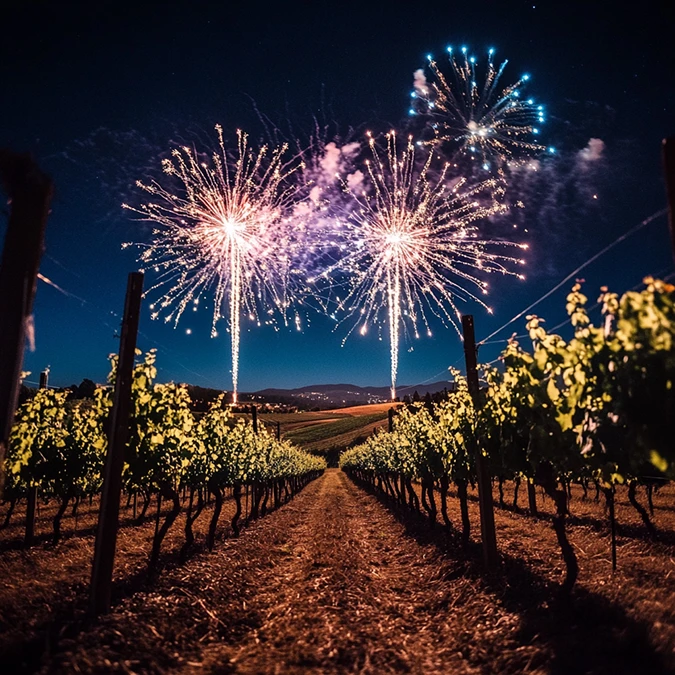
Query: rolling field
[[329, 429]]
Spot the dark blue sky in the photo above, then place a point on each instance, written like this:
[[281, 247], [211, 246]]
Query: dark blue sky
[[98, 92]]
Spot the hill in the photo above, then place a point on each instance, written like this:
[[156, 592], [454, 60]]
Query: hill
[[342, 395]]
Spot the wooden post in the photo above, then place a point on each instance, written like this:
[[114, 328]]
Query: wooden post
[[612, 523], [278, 430], [391, 419], [30, 192], [254, 418], [118, 433], [32, 496], [669, 172], [487, 516], [31, 506]]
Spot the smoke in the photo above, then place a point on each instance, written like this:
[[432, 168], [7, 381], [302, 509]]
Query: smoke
[[315, 194], [420, 82], [552, 200], [350, 149], [355, 179], [336, 160], [593, 151], [330, 162]]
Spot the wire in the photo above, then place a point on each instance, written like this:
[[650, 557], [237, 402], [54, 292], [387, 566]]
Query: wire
[[595, 306], [624, 236], [49, 386], [438, 374], [49, 282], [95, 308]]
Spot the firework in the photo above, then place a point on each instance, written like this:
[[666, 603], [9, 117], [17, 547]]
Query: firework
[[409, 247], [225, 233], [486, 123]]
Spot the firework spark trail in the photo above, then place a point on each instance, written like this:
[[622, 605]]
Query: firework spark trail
[[492, 125], [394, 299], [409, 246], [227, 232]]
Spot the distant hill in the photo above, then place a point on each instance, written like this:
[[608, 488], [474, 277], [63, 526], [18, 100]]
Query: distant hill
[[339, 395]]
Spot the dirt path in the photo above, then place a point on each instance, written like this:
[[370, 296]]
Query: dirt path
[[333, 582], [345, 598]]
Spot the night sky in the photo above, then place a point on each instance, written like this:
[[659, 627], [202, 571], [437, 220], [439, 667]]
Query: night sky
[[98, 92]]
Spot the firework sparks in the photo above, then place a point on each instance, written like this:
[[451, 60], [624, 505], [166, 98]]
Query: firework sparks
[[490, 125], [410, 247], [226, 233]]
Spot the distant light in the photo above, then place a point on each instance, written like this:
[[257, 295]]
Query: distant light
[[516, 93], [472, 59], [463, 50], [429, 57], [449, 49], [188, 331], [486, 166], [413, 94], [411, 112], [530, 101], [491, 51], [551, 150], [526, 77]]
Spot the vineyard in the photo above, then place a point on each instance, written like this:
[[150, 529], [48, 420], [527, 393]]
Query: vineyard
[[57, 450], [577, 436], [337, 339], [598, 408]]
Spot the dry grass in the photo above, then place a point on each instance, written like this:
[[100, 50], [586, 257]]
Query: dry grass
[[337, 581]]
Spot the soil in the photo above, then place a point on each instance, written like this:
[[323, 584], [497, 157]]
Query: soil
[[339, 580], [44, 589]]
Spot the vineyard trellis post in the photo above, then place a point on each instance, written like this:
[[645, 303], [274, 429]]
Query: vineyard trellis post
[[487, 516], [118, 432], [669, 171], [32, 496], [30, 192], [254, 418], [390, 415]]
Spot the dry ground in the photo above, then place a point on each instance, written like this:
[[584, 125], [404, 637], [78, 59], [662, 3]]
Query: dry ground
[[44, 589], [337, 581]]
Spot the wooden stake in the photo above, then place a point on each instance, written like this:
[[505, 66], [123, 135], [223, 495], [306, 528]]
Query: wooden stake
[[669, 172], [254, 418], [30, 192], [487, 516], [391, 419], [609, 493], [108, 517]]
